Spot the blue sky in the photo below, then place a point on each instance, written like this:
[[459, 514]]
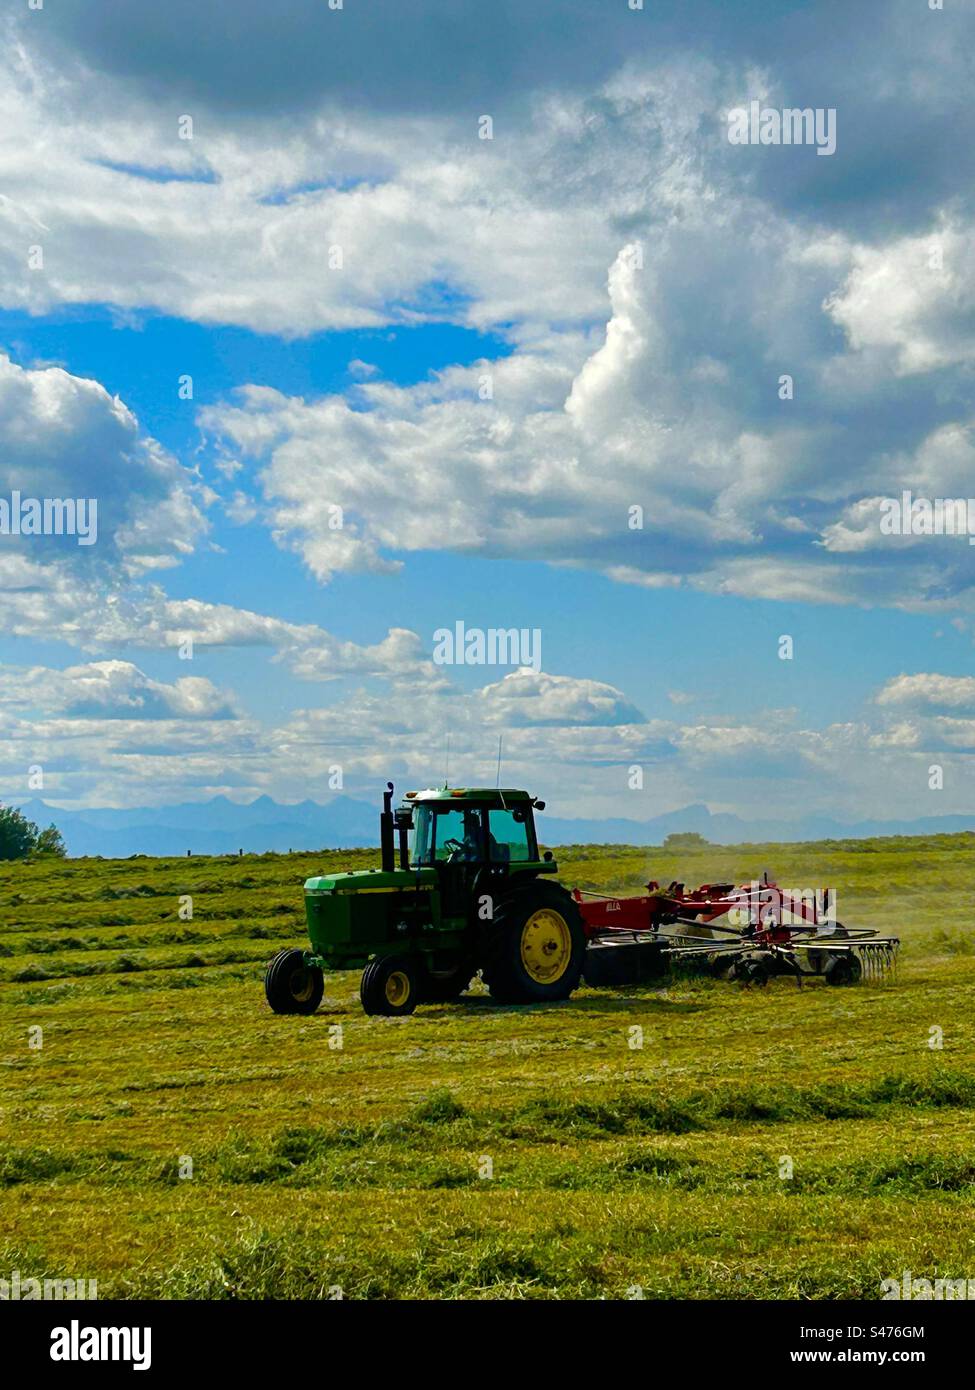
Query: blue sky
[[524, 337]]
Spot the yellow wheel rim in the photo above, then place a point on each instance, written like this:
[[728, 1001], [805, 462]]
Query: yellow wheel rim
[[302, 985], [546, 946], [397, 988]]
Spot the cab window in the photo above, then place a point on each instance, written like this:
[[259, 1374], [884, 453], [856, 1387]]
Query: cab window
[[510, 841], [446, 835]]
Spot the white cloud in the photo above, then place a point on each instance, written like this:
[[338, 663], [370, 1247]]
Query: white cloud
[[674, 408], [740, 493], [242, 224], [929, 690], [535, 698], [112, 690], [914, 298], [93, 612], [106, 733], [63, 436], [241, 509]]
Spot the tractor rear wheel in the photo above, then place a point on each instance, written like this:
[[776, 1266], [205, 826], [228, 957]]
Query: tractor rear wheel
[[537, 947], [291, 986], [391, 986]]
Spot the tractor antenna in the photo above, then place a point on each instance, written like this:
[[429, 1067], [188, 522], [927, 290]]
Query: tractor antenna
[[446, 765], [497, 781]]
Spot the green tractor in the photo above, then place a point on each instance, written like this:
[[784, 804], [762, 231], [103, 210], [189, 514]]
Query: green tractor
[[469, 892]]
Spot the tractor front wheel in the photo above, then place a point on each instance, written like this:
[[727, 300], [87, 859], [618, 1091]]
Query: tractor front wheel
[[537, 947], [291, 986], [390, 985]]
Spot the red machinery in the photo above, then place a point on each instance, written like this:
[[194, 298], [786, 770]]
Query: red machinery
[[777, 931]]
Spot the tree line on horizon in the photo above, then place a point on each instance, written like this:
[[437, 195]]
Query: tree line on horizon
[[20, 838]]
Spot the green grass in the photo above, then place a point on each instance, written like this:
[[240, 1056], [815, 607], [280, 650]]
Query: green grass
[[762, 1143]]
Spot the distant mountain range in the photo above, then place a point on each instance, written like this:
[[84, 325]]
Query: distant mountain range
[[221, 826]]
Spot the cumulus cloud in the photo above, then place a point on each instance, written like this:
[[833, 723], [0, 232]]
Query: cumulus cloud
[[527, 697], [778, 765], [617, 455], [284, 227], [675, 406], [112, 690], [913, 298], [896, 70], [41, 601], [63, 436], [108, 724], [107, 733], [929, 690]]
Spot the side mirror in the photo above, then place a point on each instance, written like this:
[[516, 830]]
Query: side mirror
[[548, 856]]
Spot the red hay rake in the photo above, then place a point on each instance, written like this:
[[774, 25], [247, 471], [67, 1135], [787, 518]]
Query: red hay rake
[[775, 932]]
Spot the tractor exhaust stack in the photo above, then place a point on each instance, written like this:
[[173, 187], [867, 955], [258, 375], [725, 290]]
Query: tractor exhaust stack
[[386, 831]]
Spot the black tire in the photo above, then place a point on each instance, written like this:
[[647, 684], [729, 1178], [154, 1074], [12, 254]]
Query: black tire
[[843, 970], [391, 986], [445, 986], [719, 969], [752, 972], [291, 986], [536, 947]]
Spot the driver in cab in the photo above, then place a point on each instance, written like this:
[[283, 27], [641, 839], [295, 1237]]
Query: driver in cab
[[468, 850]]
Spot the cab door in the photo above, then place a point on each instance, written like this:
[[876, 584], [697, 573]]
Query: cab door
[[458, 840]]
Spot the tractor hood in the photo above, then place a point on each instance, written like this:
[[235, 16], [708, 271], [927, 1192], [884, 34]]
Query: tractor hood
[[349, 915], [372, 881]]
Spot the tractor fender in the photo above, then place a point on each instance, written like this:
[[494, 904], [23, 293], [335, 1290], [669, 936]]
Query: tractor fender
[[507, 889]]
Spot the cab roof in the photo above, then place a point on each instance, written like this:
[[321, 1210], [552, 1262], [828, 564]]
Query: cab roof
[[480, 796]]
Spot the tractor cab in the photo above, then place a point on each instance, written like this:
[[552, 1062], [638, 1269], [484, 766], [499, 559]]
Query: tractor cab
[[473, 837], [472, 827]]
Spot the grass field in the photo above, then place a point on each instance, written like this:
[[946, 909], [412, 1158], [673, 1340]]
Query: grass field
[[345, 1152]]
